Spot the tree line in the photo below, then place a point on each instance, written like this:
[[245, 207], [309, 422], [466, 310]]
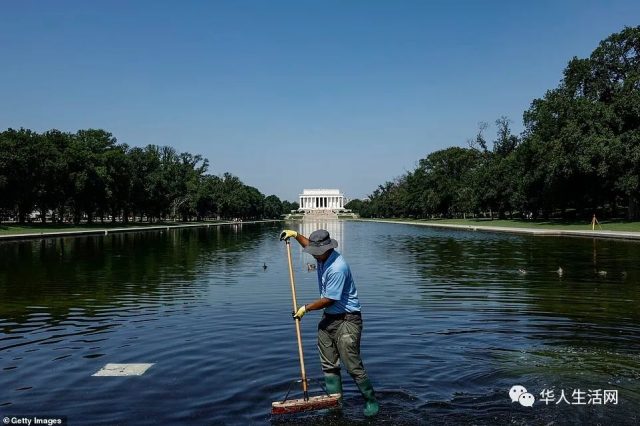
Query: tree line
[[579, 153], [87, 175]]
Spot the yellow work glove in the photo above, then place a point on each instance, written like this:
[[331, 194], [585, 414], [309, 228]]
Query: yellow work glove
[[300, 313], [287, 233]]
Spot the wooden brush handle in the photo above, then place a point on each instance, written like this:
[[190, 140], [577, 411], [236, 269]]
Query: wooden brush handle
[[295, 309]]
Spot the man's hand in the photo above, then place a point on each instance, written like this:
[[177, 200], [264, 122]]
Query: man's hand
[[287, 233], [298, 315]]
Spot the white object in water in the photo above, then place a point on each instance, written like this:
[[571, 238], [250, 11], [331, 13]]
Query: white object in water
[[112, 370]]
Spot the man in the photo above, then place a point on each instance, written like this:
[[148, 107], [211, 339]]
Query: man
[[340, 329]]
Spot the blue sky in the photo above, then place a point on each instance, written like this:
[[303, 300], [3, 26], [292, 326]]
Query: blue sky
[[292, 94]]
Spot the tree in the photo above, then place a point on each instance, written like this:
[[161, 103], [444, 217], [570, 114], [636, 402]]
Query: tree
[[495, 177], [187, 178], [587, 129], [22, 178], [118, 177], [86, 157], [55, 191], [287, 207], [208, 196], [447, 172], [354, 205], [87, 174], [272, 207]]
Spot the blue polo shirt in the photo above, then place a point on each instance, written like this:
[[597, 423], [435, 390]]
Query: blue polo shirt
[[336, 283]]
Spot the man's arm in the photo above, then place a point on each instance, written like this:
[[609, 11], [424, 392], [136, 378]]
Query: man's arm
[[304, 241], [319, 304], [313, 306], [288, 233]]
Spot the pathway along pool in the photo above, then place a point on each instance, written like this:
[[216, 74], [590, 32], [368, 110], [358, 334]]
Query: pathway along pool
[[453, 320]]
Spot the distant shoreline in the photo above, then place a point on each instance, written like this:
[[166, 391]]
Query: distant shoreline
[[36, 234], [627, 235]]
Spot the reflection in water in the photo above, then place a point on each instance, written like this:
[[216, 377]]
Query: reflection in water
[[451, 325], [576, 329], [306, 227], [335, 228], [88, 271]]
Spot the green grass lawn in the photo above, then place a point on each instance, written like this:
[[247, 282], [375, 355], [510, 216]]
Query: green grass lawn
[[38, 228], [555, 224]]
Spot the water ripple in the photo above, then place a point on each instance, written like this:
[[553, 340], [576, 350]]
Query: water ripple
[[452, 321]]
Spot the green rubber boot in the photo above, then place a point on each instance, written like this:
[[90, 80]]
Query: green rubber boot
[[371, 406], [333, 382]]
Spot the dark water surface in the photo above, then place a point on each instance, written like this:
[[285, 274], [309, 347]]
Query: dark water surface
[[451, 324]]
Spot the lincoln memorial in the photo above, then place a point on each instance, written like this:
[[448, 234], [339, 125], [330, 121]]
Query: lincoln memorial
[[321, 201]]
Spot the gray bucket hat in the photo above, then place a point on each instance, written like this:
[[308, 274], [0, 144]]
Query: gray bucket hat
[[319, 243]]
